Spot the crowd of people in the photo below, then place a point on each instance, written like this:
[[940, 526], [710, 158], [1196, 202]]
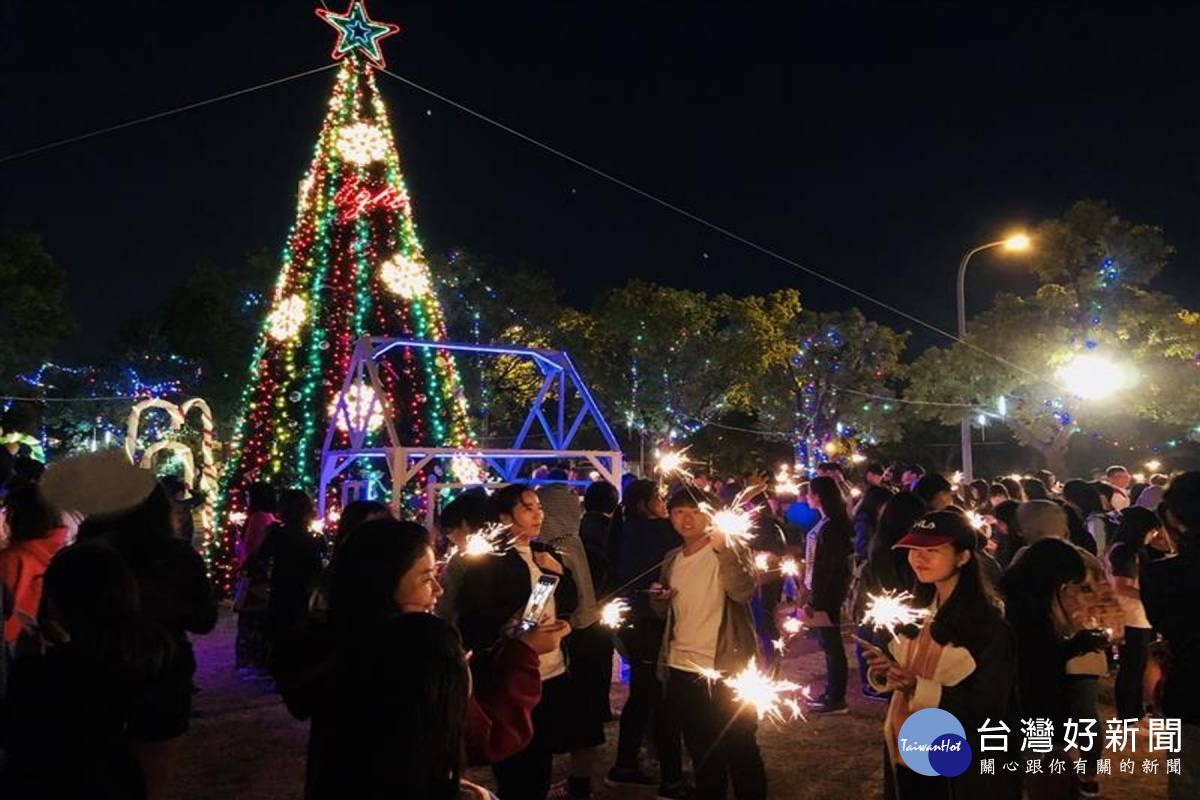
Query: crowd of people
[[418, 662]]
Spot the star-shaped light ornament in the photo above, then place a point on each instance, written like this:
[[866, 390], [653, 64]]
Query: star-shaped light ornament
[[357, 31]]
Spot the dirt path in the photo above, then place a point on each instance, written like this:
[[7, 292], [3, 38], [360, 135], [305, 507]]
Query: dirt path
[[244, 745]]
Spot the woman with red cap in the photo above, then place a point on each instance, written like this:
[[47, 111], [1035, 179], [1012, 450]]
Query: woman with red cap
[[962, 659]]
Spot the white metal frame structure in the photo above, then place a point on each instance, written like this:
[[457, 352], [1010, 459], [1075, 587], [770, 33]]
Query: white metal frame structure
[[358, 413]]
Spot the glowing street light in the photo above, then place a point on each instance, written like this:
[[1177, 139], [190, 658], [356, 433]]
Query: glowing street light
[[1014, 244], [1092, 377], [1017, 243]]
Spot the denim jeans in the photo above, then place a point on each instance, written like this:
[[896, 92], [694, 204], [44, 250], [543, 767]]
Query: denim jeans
[[1083, 693]]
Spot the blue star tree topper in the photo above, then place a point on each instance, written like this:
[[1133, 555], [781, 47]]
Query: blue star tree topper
[[357, 31]]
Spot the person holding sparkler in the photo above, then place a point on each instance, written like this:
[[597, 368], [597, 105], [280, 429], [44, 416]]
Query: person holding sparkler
[[646, 537], [709, 632], [961, 659]]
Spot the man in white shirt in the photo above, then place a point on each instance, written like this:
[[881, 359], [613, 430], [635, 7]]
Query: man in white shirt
[[705, 596]]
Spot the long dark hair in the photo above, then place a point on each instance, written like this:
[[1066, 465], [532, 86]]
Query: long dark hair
[[416, 674], [1130, 537], [873, 501], [890, 568], [1083, 496], [28, 515], [829, 495], [637, 498], [1033, 581], [366, 569], [978, 493], [971, 602], [295, 508], [260, 496], [601, 497], [506, 499]]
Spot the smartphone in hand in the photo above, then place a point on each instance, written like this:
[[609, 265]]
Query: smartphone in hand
[[536, 607]]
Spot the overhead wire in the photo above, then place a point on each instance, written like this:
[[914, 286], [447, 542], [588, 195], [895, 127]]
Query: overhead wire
[[559, 154], [160, 115], [710, 225]]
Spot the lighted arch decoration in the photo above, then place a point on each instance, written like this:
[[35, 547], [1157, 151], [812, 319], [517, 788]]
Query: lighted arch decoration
[[572, 408], [133, 426], [178, 448], [178, 415]]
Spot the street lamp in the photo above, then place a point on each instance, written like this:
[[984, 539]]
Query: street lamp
[[1092, 377], [1014, 243]]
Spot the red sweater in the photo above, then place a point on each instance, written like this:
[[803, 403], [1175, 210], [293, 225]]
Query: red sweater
[[507, 687], [22, 566]]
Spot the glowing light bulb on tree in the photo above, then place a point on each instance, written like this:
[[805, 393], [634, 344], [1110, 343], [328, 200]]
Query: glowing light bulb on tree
[[466, 470], [362, 407], [362, 144], [404, 276], [286, 319]]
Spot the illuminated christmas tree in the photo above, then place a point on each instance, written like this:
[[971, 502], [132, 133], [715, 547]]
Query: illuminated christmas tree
[[352, 266]]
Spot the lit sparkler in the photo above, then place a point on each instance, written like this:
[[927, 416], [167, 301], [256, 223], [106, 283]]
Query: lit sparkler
[[785, 484], [673, 462], [490, 541], [789, 567], [780, 645], [891, 610], [977, 521], [762, 561], [768, 697], [734, 522], [792, 626], [238, 517], [612, 615]]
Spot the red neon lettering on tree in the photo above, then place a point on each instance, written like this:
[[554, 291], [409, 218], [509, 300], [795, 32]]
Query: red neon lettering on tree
[[356, 202]]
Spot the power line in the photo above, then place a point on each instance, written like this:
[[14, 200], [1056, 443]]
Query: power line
[[710, 225], [160, 115]]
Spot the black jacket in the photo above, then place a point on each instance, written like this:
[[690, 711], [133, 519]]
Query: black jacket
[[644, 545], [1170, 587], [831, 566], [495, 588]]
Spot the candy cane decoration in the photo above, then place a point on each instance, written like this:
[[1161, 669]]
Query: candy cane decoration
[[182, 450], [135, 418], [178, 416], [208, 468]]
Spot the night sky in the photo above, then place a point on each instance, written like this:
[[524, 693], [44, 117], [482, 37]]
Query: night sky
[[873, 142]]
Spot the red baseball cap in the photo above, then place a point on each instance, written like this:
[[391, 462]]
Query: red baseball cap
[[939, 528]]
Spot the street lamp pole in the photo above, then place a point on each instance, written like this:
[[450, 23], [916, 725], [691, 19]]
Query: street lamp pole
[[1018, 242]]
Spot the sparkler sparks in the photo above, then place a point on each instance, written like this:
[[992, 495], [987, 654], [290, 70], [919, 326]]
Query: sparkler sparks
[[785, 484], [977, 521], [891, 610], [769, 698], [733, 522], [612, 615], [673, 462], [792, 625], [490, 541], [788, 566], [762, 561]]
